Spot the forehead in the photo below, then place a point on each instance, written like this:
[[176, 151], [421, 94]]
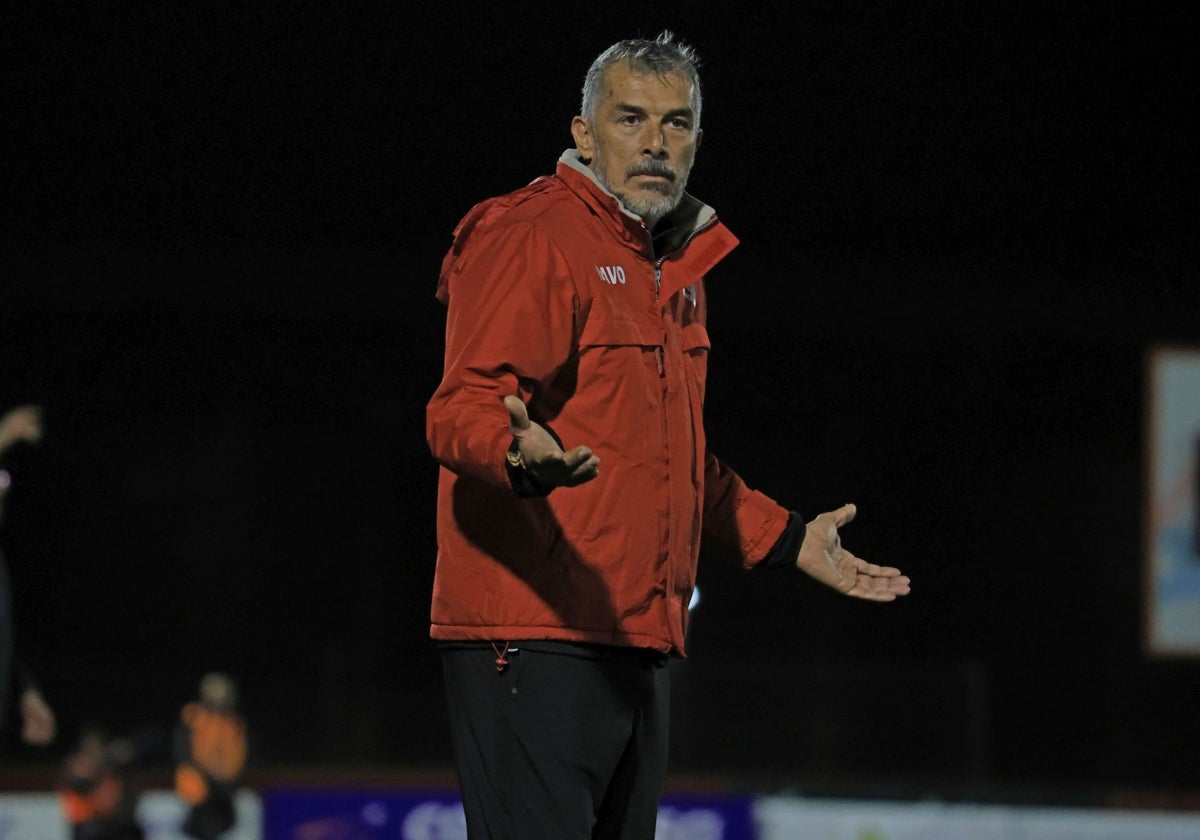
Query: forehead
[[645, 88]]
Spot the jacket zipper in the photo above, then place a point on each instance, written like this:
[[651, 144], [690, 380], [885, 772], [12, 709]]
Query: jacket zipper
[[659, 355], [660, 358], [659, 262]]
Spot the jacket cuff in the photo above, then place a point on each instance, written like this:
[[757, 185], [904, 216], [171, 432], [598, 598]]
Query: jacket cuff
[[522, 483], [783, 554], [764, 521]]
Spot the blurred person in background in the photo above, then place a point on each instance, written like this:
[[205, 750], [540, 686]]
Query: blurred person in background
[[18, 688], [95, 789], [210, 753]]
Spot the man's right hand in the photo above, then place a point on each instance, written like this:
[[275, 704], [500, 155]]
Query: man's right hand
[[544, 459]]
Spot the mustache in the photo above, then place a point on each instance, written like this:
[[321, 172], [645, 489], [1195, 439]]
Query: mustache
[[651, 167]]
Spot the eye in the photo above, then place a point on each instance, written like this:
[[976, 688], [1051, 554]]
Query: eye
[[629, 119], [680, 123]]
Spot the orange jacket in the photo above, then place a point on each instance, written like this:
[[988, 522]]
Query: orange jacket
[[216, 751], [557, 295], [97, 802]]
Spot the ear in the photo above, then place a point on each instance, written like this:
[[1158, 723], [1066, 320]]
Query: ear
[[699, 137], [581, 130]]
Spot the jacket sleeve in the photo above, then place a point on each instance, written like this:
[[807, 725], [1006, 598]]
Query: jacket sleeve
[[509, 328], [744, 522]]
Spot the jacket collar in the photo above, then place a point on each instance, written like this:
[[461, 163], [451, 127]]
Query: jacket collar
[[671, 232], [691, 236]]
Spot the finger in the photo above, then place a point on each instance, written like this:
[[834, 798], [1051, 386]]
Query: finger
[[518, 416], [873, 589], [844, 514], [891, 590], [865, 568], [573, 458], [880, 589], [586, 471], [581, 465], [871, 595], [831, 520]]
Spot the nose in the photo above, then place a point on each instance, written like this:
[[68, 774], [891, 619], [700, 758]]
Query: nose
[[656, 146]]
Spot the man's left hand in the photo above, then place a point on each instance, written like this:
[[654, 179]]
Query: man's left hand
[[823, 557]]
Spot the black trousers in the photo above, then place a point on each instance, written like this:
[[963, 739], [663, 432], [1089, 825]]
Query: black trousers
[[565, 742], [212, 817]]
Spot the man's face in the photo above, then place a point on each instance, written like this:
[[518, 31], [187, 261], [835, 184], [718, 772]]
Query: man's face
[[643, 140]]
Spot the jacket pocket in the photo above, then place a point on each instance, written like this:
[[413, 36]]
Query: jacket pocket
[[696, 344], [601, 331], [621, 388]]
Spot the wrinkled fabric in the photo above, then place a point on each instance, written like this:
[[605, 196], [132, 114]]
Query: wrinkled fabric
[[552, 295]]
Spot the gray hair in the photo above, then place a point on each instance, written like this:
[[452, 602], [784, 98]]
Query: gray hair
[[664, 56]]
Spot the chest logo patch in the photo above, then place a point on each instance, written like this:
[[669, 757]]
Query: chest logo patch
[[611, 274]]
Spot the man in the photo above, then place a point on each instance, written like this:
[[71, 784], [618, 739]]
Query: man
[[209, 746], [22, 424], [94, 789], [575, 479]]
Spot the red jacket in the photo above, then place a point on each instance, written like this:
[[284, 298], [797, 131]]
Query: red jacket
[[556, 294]]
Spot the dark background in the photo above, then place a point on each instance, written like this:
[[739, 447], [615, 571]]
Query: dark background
[[962, 233]]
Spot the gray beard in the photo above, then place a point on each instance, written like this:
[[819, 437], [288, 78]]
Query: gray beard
[[649, 210]]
